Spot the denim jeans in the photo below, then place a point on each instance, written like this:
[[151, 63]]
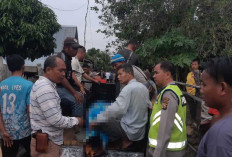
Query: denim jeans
[[68, 103]]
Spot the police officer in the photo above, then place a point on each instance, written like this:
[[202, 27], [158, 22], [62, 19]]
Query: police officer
[[167, 134]]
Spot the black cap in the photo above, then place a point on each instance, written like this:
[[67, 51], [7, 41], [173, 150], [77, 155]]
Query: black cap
[[69, 41]]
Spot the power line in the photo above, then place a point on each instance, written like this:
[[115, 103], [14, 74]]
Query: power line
[[65, 9]]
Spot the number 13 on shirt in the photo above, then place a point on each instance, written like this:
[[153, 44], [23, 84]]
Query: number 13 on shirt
[[11, 98]]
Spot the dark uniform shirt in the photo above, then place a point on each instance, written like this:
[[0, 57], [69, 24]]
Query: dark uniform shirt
[[68, 60], [133, 60]]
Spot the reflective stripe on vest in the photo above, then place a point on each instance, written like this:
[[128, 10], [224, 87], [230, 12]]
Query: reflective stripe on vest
[[177, 121], [171, 145], [178, 136]]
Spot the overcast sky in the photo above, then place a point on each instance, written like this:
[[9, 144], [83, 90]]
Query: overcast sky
[[77, 18]]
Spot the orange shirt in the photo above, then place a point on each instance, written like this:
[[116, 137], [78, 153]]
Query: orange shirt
[[191, 81]]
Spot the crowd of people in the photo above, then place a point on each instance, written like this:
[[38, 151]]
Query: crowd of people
[[33, 115]]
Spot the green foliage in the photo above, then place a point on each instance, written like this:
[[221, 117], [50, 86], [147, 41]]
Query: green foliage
[[27, 28], [177, 30], [172, 46], [213, 29], [101, 59]]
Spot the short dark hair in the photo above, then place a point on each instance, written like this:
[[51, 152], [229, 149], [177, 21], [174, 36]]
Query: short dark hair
[[195, 60], [85, 66], [15, 62], [220, 69], [168, 67], [81, 48], [133, 41], [50, 62], [127, 68]]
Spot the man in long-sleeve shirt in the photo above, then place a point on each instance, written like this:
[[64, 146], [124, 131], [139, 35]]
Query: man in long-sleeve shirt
[[45, 110], [131, 107]]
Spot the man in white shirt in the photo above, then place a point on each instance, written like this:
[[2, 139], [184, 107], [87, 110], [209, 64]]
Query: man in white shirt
[[76, 67], [107, 76]]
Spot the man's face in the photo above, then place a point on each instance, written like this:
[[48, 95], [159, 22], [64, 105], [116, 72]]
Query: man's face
[[81, 54], [210, 90], [134, 47], [71, 52], [116, 65], [159, 76], [86, 70], [195, 65], [57, 74], [123, 77]]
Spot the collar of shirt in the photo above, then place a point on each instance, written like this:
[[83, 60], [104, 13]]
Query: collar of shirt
[[133, 80], [47, 80], [76, 58], [171, 83]]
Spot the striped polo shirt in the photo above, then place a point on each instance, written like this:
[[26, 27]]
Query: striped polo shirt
[[45, 111]]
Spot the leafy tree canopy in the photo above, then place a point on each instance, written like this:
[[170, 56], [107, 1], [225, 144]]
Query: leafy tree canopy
[[27, 28], [177, 30], [101, 59]]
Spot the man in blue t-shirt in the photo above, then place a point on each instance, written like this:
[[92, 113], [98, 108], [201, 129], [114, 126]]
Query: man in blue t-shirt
[[14, 102], [216, 89]]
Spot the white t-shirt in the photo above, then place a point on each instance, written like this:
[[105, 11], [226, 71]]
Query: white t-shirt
[[107, 75], [76, 67]]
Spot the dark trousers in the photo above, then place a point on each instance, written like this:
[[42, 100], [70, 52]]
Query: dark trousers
[[113, 129], [68, 104], [12, 151]]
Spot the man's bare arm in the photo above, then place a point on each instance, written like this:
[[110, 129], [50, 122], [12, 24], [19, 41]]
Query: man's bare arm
[[78, 83], [8, 142], [90, 78]]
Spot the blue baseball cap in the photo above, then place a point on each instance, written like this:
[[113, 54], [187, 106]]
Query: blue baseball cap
[[117, 58]]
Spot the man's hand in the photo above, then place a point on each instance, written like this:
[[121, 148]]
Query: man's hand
[[8, 142], [82, 90], [78, 97], [96, 81], [80, 121]]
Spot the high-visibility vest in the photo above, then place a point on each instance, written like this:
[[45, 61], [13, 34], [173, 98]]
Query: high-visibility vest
[[179, 136]]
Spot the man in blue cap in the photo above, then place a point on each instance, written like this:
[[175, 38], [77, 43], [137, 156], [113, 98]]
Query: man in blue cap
[[118, 60]]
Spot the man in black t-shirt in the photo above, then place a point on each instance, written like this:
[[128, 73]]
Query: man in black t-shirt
[[71, 100], [129, 54]]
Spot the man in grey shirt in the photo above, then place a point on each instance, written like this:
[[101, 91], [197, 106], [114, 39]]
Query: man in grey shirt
[[126, 118]]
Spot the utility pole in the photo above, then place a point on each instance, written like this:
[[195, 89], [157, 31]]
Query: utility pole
[[86, 23]]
